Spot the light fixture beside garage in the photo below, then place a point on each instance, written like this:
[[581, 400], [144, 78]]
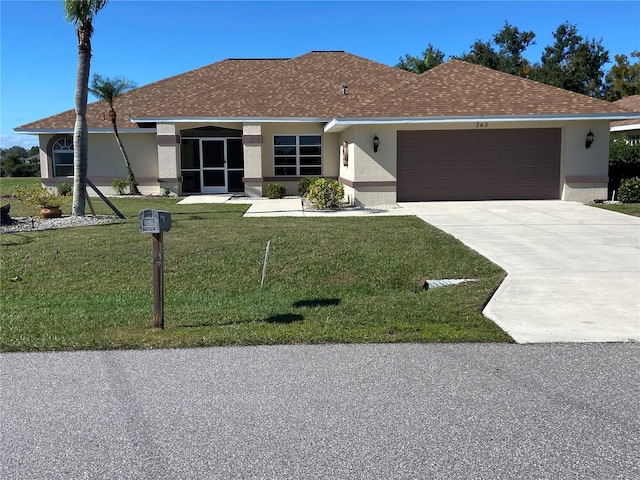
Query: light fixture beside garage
[[376, 143], [589, 140]]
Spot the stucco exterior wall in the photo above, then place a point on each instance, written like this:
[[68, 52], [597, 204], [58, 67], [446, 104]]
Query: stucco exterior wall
[[585, 171], [46, 169], [106, 163], [252, 153], [168, 156]]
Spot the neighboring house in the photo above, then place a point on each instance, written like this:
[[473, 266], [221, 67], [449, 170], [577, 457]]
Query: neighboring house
[[456, 132], [629, 129]]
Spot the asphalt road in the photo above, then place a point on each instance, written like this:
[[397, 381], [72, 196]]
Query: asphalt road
[[336, 412]]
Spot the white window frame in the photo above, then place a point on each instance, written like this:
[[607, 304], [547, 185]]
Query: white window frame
[[633, 139], [62, 145], [299, 157]]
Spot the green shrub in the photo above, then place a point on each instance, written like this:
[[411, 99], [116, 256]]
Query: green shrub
[[166, 192], [119, 185], [629, 191], [325, 193], [304, 184], [276, 190], [65, 190], [624, 161]]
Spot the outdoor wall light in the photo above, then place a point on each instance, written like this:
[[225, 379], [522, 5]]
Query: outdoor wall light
[[376, 143], [589, 140]]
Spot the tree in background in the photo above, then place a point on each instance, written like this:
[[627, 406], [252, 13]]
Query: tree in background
[[16, 161], [431, 57], [511, 43], [80, 13], [623, 79], [108, 89], [573, 63], [482, 53]]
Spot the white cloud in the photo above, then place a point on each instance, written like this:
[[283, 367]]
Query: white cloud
[[25, 141]]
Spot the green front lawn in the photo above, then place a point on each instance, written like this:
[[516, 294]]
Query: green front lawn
[[328, 280], [626, 208], [8, 185]]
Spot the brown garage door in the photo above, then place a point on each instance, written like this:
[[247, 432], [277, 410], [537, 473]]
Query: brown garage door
[[479, 164]]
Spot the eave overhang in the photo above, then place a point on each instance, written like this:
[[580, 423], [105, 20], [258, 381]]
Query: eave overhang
[[230, 119], [340, 124], [69, 131]]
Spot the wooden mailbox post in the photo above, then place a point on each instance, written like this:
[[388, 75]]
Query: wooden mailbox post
[[156, 222]]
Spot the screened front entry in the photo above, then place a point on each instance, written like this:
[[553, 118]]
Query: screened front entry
[[212, 165]]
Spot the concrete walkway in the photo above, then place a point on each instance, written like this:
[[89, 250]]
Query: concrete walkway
[[292, 207], [574, 270]]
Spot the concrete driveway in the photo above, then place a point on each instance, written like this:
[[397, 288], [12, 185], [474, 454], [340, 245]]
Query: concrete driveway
[[574, 270]]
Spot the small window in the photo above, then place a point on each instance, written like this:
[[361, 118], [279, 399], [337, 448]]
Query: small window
[[633, 139], [62, 153], [297, 155]]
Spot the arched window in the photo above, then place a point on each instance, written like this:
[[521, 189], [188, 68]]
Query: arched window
[[62, 153]]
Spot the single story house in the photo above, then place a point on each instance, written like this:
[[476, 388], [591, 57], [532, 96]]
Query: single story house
[[457, 132], [629, 129]]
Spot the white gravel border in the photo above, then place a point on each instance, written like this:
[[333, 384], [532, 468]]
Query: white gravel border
[[30, 224]]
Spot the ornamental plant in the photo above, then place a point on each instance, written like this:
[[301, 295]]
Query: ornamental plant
[[276, 190], [304, 184], [629, 191], [119, 186], [40, 197], [325, 193]]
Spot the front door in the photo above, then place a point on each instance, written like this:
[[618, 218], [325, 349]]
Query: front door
[[214, 170], [212, 165]]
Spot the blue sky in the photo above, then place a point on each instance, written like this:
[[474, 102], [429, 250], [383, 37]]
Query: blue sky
[[148, 40]]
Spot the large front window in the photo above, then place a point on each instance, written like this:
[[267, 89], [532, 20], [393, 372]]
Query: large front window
[[62, 153], [297, 155]]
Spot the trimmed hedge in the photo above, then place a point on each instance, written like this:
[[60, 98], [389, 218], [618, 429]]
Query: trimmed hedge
[[276, 190]]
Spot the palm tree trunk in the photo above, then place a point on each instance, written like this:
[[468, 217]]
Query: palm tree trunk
[[131, 178], [80, 132]]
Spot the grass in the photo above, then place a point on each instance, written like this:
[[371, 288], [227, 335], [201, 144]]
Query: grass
[[328, 280], [8, 185], [626, 208]]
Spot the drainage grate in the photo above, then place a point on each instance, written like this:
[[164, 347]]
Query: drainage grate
[[445, 282]]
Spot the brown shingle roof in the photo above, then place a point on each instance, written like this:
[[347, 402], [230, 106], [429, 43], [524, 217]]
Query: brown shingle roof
[[309, 86], [630, 103], [461, 89], [152, 99]]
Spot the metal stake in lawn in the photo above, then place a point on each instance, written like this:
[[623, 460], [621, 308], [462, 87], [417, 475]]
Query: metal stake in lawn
[[155, 222], [264, 268]]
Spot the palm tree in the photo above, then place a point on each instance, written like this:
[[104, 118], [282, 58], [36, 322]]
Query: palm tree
[[80, 13], [108, 89]]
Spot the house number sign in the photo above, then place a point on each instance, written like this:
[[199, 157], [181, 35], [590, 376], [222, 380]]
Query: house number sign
[[482, 124]]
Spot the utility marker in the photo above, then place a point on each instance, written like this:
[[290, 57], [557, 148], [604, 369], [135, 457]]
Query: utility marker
[[264, 268]]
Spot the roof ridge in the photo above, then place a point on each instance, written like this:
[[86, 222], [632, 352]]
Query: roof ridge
[[528, 80]]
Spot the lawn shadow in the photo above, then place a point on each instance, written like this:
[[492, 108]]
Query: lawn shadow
[[317, 302], [13, 239], [284, 318], [279, 318]]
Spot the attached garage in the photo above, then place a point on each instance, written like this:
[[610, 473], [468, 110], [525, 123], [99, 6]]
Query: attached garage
[[480, 164]]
